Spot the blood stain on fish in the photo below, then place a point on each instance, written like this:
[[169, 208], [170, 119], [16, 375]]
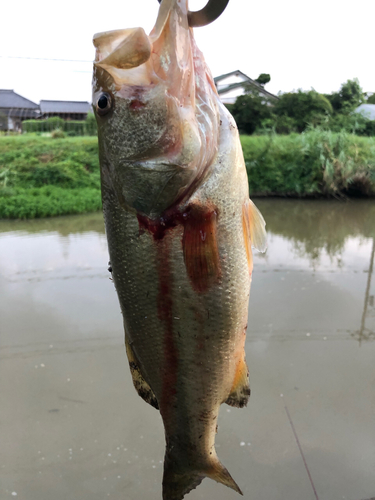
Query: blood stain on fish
[[136, 105], [199, 241]]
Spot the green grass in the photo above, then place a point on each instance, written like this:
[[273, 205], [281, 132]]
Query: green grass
[[47, 201], [315, 163], [42, 176]]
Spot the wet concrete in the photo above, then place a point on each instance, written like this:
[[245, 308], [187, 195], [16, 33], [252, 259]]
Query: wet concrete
[[72, 426]]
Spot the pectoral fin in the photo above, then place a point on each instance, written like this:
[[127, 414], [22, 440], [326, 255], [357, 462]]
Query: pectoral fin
[[240, 392], [254, 231], [140, 384]]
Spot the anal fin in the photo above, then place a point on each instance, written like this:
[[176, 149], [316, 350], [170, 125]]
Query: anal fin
[[240, 392], [141, 386]]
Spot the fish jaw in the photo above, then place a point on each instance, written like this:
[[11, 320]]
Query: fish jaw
[[159, 135]]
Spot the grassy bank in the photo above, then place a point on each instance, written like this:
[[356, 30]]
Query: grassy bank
[[315, 163], [41, 176]]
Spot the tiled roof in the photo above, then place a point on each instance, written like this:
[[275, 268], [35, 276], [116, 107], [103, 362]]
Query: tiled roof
[[247, 79], [9, 99], [237, 73], [64, 107]]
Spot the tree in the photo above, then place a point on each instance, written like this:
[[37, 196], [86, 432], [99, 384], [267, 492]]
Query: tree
[[304, 108], [371, 99], [250, 110], [348, 97], [263, 78]]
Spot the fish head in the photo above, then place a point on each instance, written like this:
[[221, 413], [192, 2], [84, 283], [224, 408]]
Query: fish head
[[157, 113]]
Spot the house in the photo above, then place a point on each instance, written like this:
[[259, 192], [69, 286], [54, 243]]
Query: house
[[232, 85], [366, 110], [14, 109], [68, 110]]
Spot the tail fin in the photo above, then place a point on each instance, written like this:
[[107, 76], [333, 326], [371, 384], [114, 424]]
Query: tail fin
[[177, 482]]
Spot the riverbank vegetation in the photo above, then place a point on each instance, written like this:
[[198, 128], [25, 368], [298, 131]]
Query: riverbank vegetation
[[42, 176], [45, 176], [294, 112], [315, 163]]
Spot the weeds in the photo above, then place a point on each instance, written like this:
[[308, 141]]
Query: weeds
[[41, 176], [315, 163]]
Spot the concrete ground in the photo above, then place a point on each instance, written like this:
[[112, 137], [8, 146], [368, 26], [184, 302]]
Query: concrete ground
[[72, 426]]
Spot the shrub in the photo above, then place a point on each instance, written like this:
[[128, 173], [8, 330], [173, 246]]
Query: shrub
[[71, 128], [303, 108], [48, 201], [250, 111], [57, 134], [317, 162]]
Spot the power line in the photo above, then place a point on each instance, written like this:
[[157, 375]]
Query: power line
[[46, 59]]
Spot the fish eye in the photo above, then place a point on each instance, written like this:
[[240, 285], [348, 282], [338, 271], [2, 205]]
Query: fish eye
[[104, 104]]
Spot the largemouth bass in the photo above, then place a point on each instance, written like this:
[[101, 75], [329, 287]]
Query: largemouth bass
[[180, 229]]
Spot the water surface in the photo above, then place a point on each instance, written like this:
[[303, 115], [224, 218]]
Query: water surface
[[72, 425]]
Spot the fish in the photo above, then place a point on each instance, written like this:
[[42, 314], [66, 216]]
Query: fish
[[181, 230]]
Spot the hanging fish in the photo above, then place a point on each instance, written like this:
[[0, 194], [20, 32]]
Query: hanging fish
[[180, 229]]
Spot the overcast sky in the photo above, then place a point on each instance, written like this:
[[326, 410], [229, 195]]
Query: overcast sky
[[302, 44]]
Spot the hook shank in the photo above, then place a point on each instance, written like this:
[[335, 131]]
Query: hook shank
[[208, 14]]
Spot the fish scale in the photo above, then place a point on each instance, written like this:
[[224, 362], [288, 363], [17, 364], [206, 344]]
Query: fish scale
[[180, 227]]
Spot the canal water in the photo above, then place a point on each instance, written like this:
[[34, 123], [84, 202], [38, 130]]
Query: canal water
[[72, 426]]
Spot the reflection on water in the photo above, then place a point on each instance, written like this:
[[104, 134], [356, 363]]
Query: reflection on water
[[318, 226], [365, 333], [63, 372], [324, 237], [329, 234]]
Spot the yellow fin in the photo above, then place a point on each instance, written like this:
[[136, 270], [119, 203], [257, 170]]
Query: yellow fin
[[141, 386], [254, 231], [240, 392], [256, 227]]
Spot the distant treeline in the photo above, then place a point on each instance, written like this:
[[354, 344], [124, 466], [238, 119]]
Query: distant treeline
[[42, 176], [295, 111]]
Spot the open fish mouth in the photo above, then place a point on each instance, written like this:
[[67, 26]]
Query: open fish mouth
[[156, 97]]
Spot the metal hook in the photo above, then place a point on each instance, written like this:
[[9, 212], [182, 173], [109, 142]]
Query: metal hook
[[208, 14]]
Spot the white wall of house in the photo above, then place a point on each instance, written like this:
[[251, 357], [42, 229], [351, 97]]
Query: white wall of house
[[14, 123], [10, 123], [231, 96]]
